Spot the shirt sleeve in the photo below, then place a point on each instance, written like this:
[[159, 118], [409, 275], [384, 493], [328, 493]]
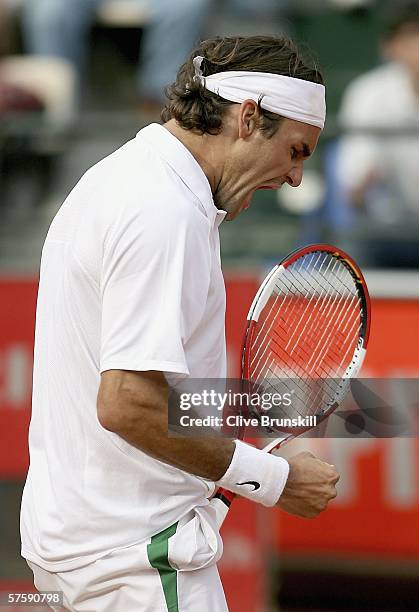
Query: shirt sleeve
[[155, 283]]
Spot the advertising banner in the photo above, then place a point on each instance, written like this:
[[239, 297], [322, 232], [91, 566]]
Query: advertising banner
[[379, 477]]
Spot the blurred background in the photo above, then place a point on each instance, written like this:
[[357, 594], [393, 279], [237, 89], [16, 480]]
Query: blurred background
[[77, 79]]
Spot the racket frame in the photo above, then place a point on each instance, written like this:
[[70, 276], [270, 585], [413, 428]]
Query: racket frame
[[223, 498]]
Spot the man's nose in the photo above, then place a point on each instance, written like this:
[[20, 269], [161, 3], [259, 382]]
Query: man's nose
[[295, 176]]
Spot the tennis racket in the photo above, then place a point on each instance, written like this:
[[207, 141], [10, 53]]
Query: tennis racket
[[309, 325]]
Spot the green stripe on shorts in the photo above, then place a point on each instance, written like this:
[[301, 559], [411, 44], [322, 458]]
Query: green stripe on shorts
[[158, 553]]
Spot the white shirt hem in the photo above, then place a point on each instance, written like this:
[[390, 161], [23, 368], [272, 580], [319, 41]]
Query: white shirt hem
[[82, 561], [143, 366]]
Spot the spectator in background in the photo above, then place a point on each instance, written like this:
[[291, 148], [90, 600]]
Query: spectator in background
[[381, 171], [28, 83], [60, 28]]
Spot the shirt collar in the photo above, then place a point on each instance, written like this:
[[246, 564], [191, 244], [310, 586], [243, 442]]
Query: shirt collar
[[185, 165]]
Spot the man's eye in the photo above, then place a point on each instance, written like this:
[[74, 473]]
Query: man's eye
[[294, 153]]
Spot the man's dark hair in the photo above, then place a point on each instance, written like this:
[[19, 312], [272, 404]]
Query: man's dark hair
[[196, 108], [397, 18]]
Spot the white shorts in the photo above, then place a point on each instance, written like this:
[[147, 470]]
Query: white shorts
[[175, 571]]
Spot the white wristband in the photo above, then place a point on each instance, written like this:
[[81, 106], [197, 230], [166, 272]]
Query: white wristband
[[255, 474]]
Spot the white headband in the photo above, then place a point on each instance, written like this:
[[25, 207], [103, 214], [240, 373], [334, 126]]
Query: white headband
[[286, 96]]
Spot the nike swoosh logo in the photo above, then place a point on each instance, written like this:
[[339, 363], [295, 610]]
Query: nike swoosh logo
[[253, 483]]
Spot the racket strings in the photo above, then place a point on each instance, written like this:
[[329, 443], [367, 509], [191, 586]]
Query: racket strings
[[330, 306], [313, 291], [279, 313], [309, 336], [308, 331], [351, 315], [295, 367], [328, 388], [286, 317], [288, 322], [300, 351], [308, 349], [274, 304]]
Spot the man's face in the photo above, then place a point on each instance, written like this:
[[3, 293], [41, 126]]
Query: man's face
[[257, 162]]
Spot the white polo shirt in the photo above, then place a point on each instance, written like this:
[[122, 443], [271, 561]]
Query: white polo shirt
[[130, 279]]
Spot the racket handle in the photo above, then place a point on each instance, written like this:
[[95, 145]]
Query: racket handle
[[221, 503]]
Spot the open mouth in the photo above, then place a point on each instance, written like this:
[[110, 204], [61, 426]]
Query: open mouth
[[272, 186], [248, 200]]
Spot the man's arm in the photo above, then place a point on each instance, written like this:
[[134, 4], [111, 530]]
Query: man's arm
[[134, 405]]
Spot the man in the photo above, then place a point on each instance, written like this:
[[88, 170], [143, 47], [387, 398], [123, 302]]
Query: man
[[115, 513], [379, 171]]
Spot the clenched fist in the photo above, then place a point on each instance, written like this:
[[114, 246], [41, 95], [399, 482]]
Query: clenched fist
[[310, 486]]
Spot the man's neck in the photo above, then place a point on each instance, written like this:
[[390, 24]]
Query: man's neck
[[206, 149]]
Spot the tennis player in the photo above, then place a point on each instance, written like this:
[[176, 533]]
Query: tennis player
[[131, 300]]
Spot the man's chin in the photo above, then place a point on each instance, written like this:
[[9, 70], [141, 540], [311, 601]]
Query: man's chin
[[234, 211], [233, 214], [246, 202]]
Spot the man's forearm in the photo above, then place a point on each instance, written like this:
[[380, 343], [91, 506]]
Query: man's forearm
[[234, 466], [205, 457], [134, 405]]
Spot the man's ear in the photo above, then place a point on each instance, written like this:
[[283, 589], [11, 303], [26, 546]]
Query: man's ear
[[248, 118]]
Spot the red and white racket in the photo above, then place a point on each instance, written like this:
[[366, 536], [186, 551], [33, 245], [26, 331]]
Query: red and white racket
[[308, 323]]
